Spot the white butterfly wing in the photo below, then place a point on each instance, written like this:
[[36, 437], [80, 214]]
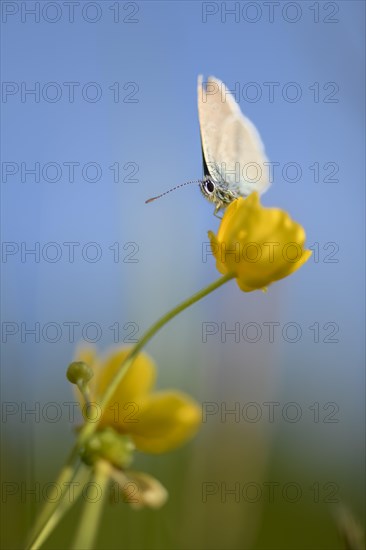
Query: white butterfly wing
[[232, 148]]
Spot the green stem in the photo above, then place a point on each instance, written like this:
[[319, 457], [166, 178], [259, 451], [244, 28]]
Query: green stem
[[63, 482], [63, 505], [92, 511], [85, 393], [90, 428]]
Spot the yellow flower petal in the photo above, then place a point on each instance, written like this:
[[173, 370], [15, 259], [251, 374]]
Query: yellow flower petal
[[258, 245], [138, 380], [88, 354], [157, 422], [131, 392], [166, 421], [215, 247]]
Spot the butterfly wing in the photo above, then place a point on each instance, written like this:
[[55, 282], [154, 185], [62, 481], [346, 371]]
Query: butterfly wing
[[233, 152]]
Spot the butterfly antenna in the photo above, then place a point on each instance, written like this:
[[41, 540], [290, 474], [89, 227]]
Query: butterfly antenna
[[172, 189]]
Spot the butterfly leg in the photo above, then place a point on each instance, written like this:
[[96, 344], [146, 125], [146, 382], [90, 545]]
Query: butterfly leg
[[217, 208]]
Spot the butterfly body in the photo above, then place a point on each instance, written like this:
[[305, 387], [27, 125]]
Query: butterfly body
[[217, 193]]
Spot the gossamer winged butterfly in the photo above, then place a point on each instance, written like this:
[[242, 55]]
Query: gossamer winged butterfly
[[234, 161]]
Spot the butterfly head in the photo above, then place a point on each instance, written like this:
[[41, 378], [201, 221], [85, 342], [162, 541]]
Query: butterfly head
[[208, 189], [217, 193]]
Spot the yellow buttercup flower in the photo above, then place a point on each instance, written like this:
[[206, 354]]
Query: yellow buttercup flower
[[258, 245], [156, 421]]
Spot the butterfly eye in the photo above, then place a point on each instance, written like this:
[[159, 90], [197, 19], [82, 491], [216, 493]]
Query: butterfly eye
[[210, 187]]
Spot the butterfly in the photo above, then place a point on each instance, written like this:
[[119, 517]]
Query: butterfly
[[234, 160]]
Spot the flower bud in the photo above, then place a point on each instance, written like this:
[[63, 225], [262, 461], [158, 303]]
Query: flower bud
[[79, 372]]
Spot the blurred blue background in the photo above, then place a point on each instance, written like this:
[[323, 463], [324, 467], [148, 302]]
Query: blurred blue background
[[143, 59]]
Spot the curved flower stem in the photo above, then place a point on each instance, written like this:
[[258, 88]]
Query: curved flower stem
[[85, 394], [92, 511], [89, 428]]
